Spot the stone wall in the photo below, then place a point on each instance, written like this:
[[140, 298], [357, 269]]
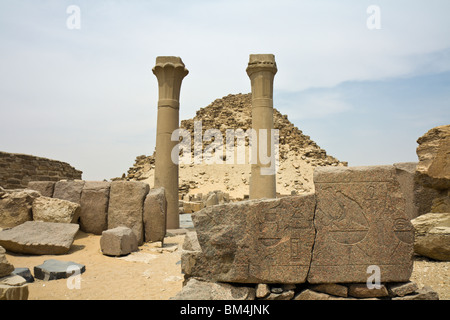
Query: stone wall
[[17, 170]]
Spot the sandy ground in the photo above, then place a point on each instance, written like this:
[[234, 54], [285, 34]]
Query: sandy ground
[[154, 273], [146, 274]]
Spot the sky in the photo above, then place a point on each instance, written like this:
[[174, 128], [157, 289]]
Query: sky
[[363, 84]]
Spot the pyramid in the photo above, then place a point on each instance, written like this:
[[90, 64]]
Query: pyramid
[[298, 154]]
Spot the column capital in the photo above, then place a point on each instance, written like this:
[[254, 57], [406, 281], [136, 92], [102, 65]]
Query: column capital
[[170, 62], [261, 62]]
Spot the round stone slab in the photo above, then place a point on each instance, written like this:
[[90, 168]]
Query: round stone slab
[[55, 269]]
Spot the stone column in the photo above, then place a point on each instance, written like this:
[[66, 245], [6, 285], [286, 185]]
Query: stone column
[[261, 70], [170, 72]]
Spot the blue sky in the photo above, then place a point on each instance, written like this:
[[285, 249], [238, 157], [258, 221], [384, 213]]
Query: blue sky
[[88, 96]]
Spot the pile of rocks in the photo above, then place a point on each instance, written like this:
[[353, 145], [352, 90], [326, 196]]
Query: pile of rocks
[[355, 224]]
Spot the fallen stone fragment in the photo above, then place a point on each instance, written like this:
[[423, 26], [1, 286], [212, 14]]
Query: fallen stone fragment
[[203, 290], [54, 269], [331, 288], [311, 295], [360, 290], [285, 295], [118, 241], [402, 289], [426, 293], [36, 237], [24, 273], [262, 290], [55, 210]]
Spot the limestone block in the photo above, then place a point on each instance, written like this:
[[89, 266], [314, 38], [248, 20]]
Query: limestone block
[[45, 188], [434, 162], [15, 207], [55, 210], [191, 206], [36, 237], [118, 241], [155, 214], [256, 241], [94, 206], [360, 221], [13, 287], [126, 205], [5, 267]]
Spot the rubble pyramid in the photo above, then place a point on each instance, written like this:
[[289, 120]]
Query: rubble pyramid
[[298, 154]]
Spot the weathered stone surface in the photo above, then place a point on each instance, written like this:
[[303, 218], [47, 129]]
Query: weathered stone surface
[[155, 213], [406, 172], [203, 290], [331, 288], [13, 280], [94, 206], [55, 269], [360, 221], [15, 207], [257, 241], [118, 241], [36, 237], [126, 203], [55, 210], [426, 293], [212, 200], [69, 190], [441, 203], [45, 188], [5, 267], [360, 290], [191, 251], [434, 163], [432, 235], [24, 273], [402, 289]]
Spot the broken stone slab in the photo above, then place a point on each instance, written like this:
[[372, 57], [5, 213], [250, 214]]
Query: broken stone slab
[[402, 289], [432, 235], [334, 289], [45, 188], [55, 269], [69, 190], [94, 206], [126, 204], [55, 210], [37, 237], [24, 273], [191, 206], [362, 225], [204, 290], [15, 207], [256, 241], [118, 241], [155, 214]]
